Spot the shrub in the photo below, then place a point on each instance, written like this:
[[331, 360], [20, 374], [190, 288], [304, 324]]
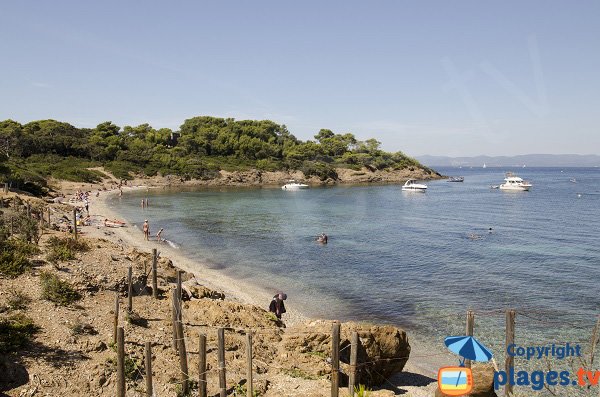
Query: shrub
[[63, 249], [13, 264], [15, 332], [17, 300], [57, 291]]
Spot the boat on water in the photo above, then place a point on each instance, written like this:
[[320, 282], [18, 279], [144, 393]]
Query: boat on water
[[484, 166], [573, 180], [411, 185], [513, 182], [293, 185], [456, 179]]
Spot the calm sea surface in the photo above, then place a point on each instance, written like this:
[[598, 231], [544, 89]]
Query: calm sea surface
[[406, 258]]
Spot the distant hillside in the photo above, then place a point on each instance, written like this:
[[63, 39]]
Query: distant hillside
[[530, 160]]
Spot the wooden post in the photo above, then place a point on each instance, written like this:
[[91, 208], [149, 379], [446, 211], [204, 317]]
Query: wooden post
[[154, 275], [116, 318], [469, 330], [352, 379], [221, 349], [149, 391], [335, 359], [129, 290], [120, 363], [202, 366], [179, 299], [174, 318], [28, 210], [75, 222], [510, 339], [185, 387], [249, 388], [49, 218]]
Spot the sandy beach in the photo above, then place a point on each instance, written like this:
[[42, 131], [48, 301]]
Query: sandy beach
[[132, 236]]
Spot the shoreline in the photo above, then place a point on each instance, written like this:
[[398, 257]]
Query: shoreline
[[234, 289], [238, 290]]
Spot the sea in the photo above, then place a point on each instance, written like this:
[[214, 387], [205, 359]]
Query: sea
[[415, 260]]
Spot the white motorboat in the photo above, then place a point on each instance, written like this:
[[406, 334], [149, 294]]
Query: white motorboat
[[293, 185], [412, 186], [513, 182]]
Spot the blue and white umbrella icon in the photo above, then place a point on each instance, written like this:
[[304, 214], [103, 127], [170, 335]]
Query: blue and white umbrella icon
[[469, 348]]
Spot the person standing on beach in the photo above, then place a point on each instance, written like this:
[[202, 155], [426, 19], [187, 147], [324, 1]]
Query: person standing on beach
[[277, 305], [146, 229], [158, 235]]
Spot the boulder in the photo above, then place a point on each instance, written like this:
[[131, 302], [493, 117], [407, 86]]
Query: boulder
[[383, 350], [483, 382]]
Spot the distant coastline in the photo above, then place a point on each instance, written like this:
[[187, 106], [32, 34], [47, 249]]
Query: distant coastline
[[527, 160]]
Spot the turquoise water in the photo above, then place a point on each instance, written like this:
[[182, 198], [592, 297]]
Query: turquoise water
[[406, 258]]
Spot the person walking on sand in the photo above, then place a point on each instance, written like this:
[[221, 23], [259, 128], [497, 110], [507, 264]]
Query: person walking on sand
[[146, 229], [277, 305]]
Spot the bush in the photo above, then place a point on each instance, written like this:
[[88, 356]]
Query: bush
[[13, 264], [63, 249], [15, 332], [17, 300], [321, 170], [57, 291]]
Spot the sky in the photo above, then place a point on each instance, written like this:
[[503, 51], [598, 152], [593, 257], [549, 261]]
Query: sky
[[456, 78]]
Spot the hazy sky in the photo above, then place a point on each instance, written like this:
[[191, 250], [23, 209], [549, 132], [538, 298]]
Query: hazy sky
[[425, 77]]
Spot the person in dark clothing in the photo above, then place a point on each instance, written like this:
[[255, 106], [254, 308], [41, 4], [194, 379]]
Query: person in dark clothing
[[277, 305]]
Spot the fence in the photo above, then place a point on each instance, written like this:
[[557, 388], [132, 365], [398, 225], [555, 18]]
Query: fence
[[179, 346]]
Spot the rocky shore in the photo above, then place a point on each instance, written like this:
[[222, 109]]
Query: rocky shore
[[72, 353]]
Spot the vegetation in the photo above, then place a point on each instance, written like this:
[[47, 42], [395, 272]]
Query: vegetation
[[133, 367], [32, 152], [15, 332], [242, 391], [15, 248], [58, 291], [63, 249], [17, 300]]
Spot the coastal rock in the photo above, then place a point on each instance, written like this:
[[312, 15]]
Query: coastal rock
[[483, 382], [197, 291], [383, 350]]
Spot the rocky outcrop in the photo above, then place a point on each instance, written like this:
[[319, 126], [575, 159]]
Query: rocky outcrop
[[383, 350], [483, 382]]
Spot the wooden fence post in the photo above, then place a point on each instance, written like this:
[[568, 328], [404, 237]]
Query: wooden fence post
[[249, 388], [120, 363], [174, 318], [129, 290], [335, 359], [352, 378], [49, 227], [183, 359], [221, 349], [469, 330], [28, 210], [154, 275], [202, 366], [75, 222], [116, 317], [149, 391], [510, 339], [179, 289]]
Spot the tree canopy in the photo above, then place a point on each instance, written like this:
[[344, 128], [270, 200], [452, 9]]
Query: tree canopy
[[201, 147]]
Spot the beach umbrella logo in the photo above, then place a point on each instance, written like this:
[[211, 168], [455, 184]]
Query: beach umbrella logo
[[458, 380]]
